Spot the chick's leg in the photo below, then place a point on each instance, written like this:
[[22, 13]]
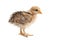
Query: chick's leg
[[22, 32], [26, 34]]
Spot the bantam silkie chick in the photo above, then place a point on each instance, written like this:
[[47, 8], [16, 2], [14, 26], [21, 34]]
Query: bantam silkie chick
[[24, 18]]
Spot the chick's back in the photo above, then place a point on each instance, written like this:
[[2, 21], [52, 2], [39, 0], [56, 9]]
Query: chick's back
[[21, 17]]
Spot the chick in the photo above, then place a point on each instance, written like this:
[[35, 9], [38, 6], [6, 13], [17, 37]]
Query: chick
[[24, 18]]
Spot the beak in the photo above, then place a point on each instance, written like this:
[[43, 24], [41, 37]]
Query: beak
[[40, 12]]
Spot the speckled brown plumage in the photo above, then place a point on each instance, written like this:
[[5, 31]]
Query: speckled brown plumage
[[21, 17]]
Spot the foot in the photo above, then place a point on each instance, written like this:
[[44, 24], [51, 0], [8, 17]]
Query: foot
[[25, 34], [29, 34]]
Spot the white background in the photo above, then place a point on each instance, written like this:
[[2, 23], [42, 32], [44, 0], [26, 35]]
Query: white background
[[46, 26]]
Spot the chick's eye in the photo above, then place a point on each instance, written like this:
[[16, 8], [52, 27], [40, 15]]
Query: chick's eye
[[36, 10]]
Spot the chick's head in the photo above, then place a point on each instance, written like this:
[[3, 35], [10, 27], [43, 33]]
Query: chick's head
[[36, 10]]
